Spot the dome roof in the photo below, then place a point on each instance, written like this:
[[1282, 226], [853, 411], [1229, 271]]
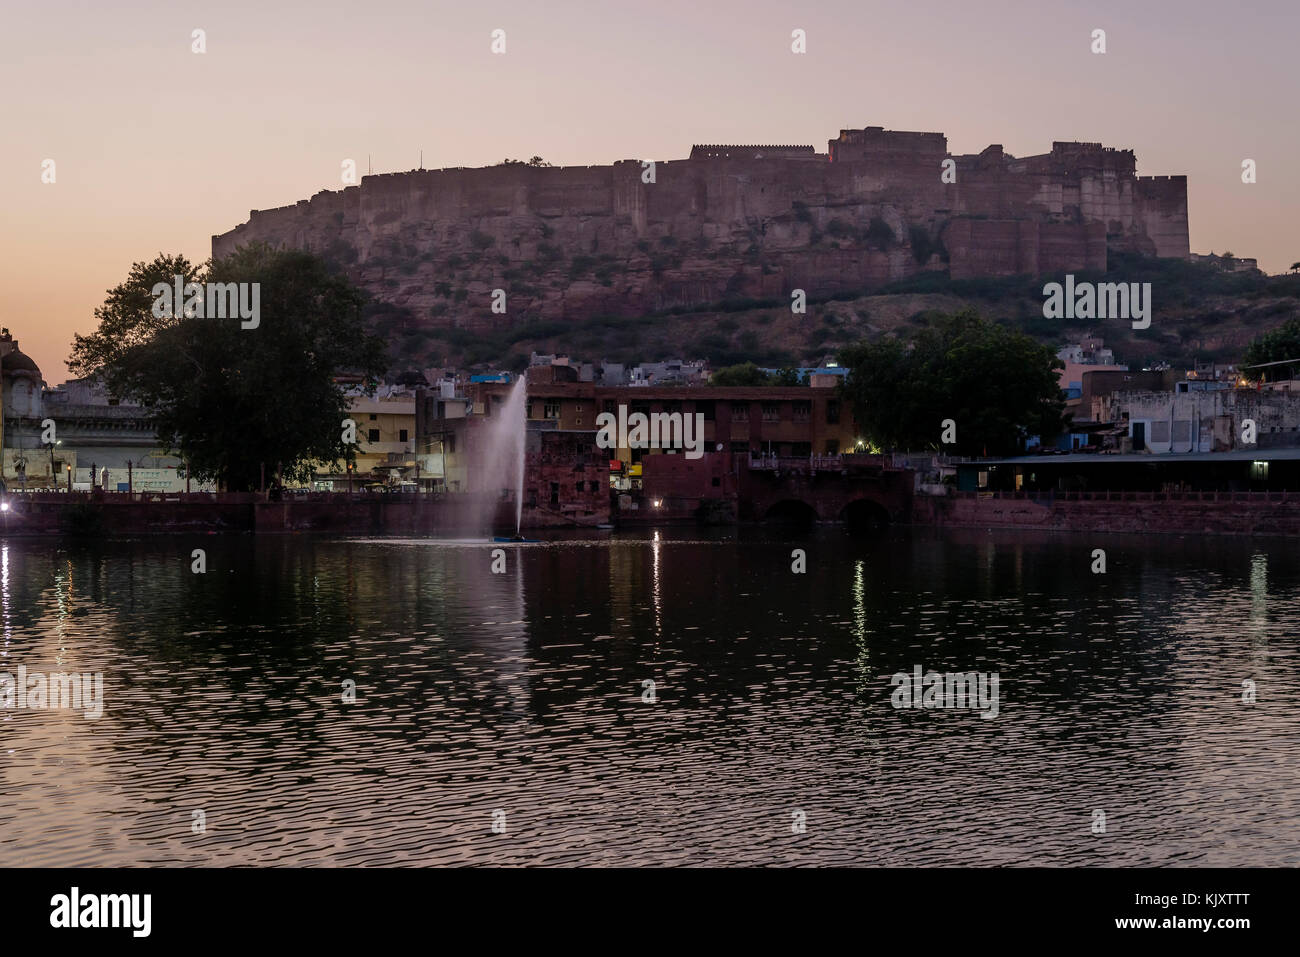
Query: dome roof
[[17, 361]]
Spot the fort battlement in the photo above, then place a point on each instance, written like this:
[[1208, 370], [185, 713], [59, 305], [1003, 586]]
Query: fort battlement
[[730, 220], [719, 151]]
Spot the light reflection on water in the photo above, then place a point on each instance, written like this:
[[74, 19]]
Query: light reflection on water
[[522, 692]]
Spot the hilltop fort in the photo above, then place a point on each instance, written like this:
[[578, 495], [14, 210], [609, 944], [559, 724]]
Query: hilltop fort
[[728, 222]]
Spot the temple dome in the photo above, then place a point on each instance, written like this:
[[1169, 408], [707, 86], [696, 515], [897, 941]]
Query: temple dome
[[17, 361]]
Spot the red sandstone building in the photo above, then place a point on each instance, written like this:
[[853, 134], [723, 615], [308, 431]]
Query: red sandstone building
[[570, 477]]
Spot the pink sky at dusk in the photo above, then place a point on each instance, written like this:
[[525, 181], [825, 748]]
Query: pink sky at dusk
[[158, 148]]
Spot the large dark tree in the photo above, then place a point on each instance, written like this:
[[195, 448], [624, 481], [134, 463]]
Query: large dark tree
[[1277, 345], [997, 385], [234, 402]]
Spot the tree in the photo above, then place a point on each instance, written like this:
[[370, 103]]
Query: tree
[[1276, 345], [997, 385], [236, 402], [745, 374], [1295, 267]]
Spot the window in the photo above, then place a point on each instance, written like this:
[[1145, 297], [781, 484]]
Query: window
[[802, 411], [372, 435], [740, 446], [555, 493], [740, 410], [716, 481], [832, 447], [771, 412], [551, 409], [578, 487], [833, 412], [373, 417], [401, 435], [611, 407], [706, 409], [592, 486]]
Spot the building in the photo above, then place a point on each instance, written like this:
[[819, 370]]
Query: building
[[99, 441], [740, 424], [1205, 418]]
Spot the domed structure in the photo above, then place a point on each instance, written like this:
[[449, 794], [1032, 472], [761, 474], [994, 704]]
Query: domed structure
[[18, 361], [21, 376]]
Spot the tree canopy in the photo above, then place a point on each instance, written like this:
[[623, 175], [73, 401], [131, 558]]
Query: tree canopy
[[1276, 345], [748, 374], [231, 400], [996, 384]]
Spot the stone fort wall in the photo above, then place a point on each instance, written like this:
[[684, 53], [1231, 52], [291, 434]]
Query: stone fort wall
[[729, 222]]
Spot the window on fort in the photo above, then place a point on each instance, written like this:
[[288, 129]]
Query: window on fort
[[801, 448], [551, 409], [577, 486], [740, 410], [373, 417], [372, 435], [401, 435], [671, 407], [530, 413], [642, 407], [592, 486], [716, 481], [832, 447], [611, 407], [532, 498], [740, 446], [833, 412], [706, 409], [555, 493], [771, 412], [802, 411]]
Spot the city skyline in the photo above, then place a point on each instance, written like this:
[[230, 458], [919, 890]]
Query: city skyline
[[266, 116]]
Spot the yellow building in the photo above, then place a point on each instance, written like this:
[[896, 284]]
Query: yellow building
[[385, 430]]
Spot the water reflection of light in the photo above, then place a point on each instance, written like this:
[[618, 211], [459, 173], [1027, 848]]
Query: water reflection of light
[[657, 598], [859, 603], [860, 631], [1258, 595], [4, 595]]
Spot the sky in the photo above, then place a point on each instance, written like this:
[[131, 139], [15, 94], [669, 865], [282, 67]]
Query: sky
[[156, 147]]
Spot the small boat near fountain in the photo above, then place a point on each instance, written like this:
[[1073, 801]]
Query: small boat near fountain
[[515, 538]]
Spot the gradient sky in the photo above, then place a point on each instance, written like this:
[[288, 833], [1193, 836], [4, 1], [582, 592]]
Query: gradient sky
[[158, 148]]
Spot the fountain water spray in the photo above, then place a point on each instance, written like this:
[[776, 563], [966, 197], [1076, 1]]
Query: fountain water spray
[[501, 462]]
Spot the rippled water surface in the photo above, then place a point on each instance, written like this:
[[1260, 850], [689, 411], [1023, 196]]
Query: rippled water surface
[[524, 693]]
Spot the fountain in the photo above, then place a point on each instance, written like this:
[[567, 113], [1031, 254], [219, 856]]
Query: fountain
[[501, 464]]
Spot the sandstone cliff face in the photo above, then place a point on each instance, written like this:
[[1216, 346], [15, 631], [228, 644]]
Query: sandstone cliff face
[[731, 223]]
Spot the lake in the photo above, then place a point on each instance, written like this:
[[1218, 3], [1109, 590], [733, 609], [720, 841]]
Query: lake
[[509, 718]]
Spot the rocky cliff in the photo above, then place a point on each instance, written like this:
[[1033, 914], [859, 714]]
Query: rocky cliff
[[729, 223]]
